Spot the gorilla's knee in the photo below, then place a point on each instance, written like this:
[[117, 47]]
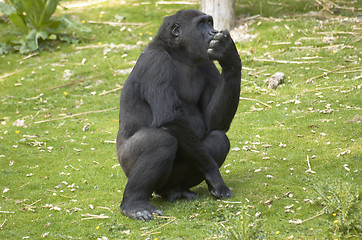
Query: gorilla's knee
[[218, 145]]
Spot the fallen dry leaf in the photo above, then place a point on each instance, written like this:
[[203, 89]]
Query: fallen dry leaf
[[269, 201]]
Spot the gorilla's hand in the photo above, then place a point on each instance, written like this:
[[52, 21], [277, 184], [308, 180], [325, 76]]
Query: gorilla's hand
[[222, 48], [221, 192]]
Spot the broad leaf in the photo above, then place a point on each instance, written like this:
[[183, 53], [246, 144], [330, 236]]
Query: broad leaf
[[74, 24], [43, 35], [18, 21], [52, 25], [5, 48], [49, 9], [52, 37], [7, 9], [31, 41]]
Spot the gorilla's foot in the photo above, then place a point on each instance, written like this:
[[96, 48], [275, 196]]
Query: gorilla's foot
[[186, 194], [221, 192], [140, 210], [176, 194]]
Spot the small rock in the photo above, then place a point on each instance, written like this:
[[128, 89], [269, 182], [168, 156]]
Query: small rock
[[275, 80]]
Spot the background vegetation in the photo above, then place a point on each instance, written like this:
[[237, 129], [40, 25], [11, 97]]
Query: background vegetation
[[34, 19], [295, 160]]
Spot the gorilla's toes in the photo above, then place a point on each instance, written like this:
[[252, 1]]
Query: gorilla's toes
[[144, 212], [146, 215], [158, 212], [181, 194], [221, 193], [142, 215], [189, 195]]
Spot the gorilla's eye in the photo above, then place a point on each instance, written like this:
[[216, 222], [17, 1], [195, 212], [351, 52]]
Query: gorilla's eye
[[176, 30]]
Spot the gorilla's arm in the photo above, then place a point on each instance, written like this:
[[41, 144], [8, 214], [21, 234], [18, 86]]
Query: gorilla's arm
[[223, 104]]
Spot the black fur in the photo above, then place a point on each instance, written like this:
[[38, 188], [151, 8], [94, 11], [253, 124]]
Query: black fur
[[174, 111]]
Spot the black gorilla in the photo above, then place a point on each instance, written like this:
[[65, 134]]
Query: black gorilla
[[174, 111]]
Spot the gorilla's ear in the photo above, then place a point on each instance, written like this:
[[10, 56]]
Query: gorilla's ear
[[176, 30]]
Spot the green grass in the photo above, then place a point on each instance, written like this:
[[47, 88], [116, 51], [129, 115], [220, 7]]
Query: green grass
[[55, 173]]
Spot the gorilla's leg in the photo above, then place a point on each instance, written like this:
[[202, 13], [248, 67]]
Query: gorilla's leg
[[184, 173], [147, 159], [218, 145]]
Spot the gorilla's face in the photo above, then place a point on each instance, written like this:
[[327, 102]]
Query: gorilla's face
[[190, 32], [197, 35]]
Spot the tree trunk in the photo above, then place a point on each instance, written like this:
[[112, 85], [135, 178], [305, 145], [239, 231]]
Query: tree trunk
[[221, 10]]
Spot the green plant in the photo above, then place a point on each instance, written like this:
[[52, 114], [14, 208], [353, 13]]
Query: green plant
[[34, 18], [341, 202], [245, 224]]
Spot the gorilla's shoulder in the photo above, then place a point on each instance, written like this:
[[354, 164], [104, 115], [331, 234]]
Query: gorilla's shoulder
[[154, 63], [156, 57], [157, 53]]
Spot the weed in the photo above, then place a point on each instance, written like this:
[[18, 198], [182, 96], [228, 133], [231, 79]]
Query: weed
[[246, 223], [341, 203]]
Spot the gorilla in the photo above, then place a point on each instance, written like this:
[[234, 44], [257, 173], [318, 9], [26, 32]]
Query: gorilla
[[175, 108]]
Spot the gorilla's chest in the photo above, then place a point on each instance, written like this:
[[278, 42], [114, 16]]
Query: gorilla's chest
[[189, 86]]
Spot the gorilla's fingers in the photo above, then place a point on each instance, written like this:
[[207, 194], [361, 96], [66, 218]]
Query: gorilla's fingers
[[158, 212], [225, 32], [210, 51], [222, 193], [213, 43], [219, 36], [143, 215]]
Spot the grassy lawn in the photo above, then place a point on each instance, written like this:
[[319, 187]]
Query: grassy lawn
[[295, 162]]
